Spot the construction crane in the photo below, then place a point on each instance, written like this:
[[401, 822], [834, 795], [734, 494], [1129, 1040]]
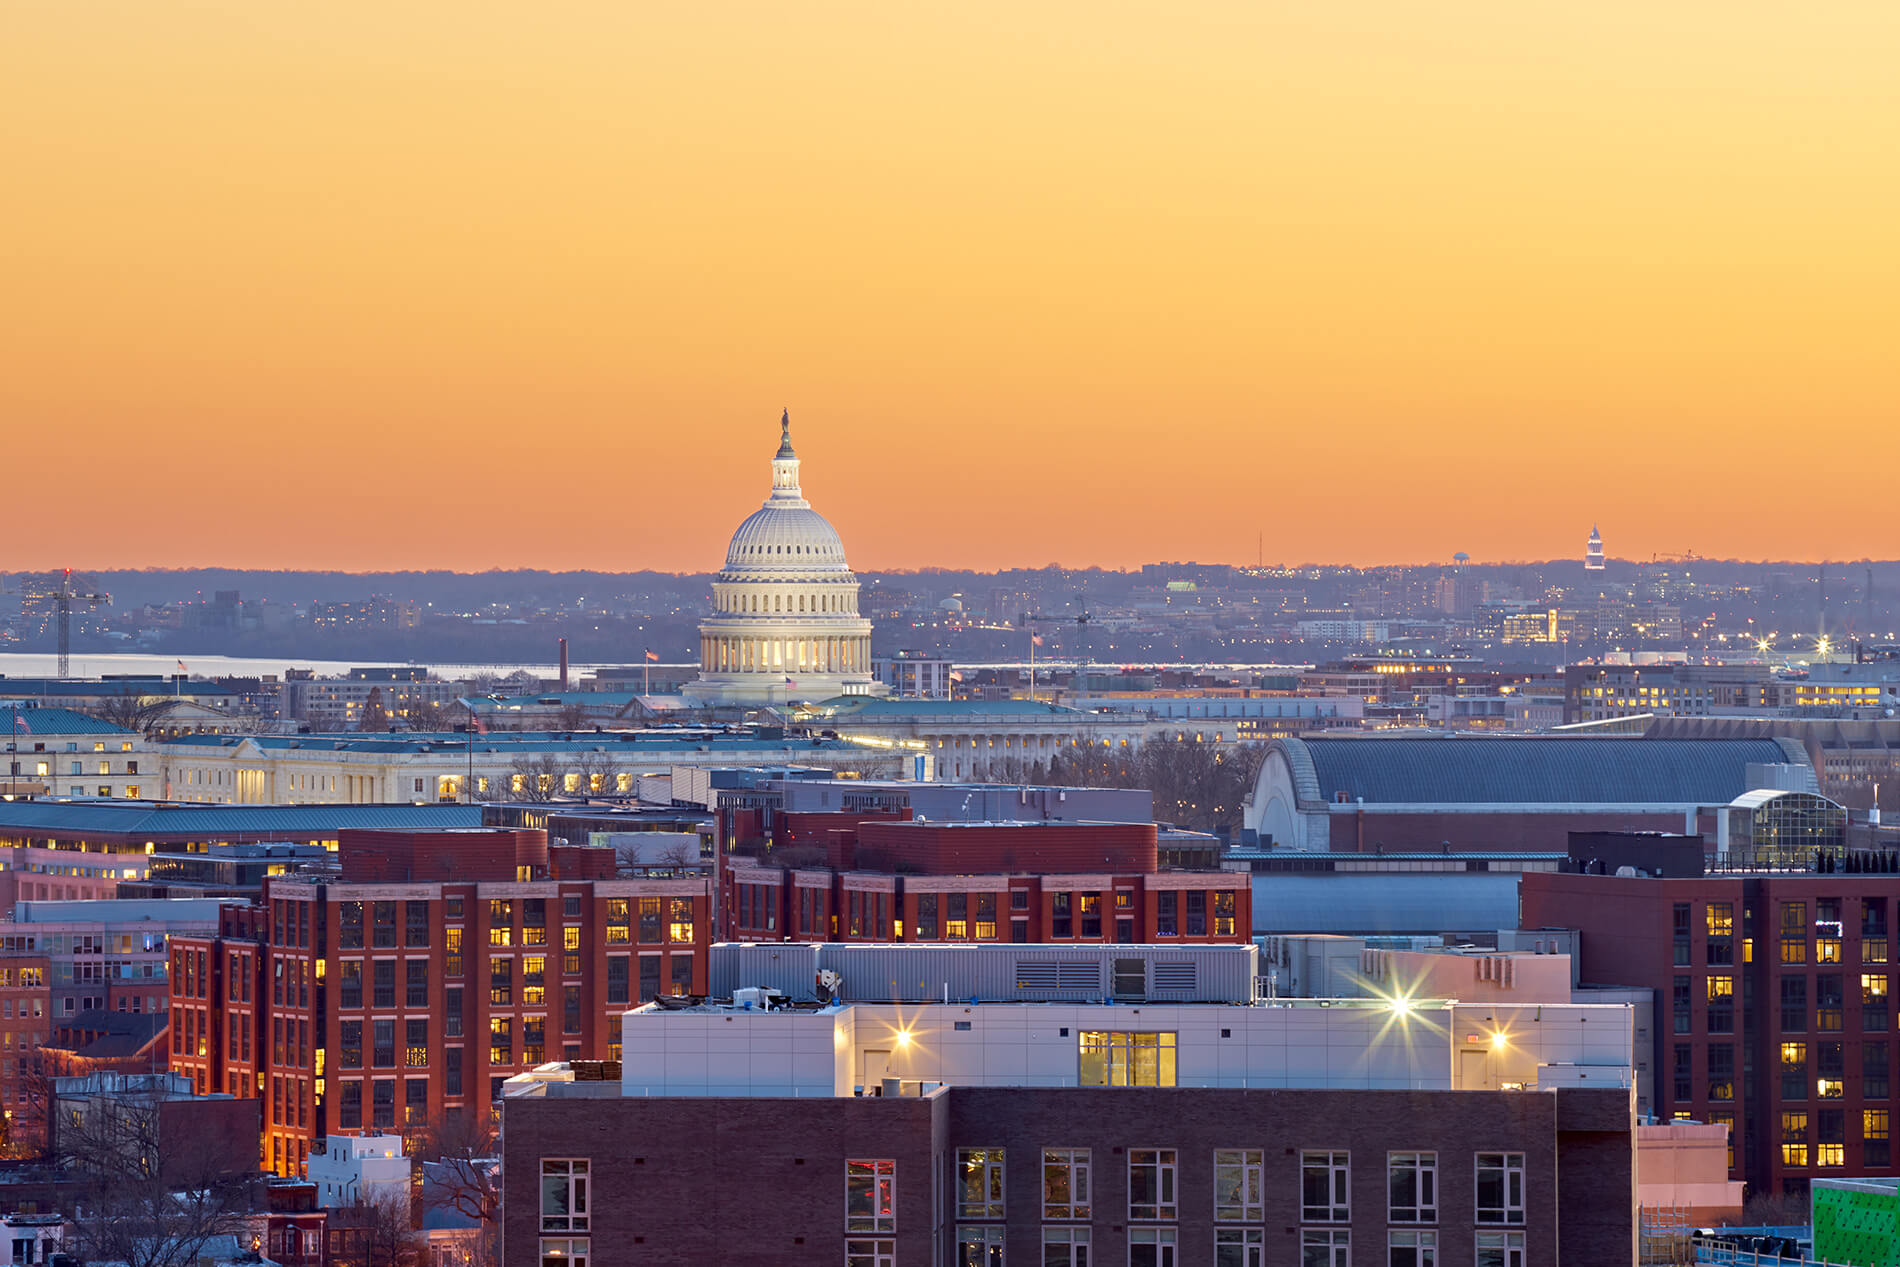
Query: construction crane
[[63, 599]]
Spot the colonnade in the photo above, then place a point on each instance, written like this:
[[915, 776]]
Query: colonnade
[[749, 654]]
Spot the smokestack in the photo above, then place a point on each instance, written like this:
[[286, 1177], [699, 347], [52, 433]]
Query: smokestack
[[563, 664]]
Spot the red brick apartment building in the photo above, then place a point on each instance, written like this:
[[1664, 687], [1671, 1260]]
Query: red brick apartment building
[[1773, 1006], [1031, 882], [1150, 1177], [432, 966]]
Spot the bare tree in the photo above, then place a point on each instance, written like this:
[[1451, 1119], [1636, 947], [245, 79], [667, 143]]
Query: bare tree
[[149, 1205], [599, 772], [537, 778], [460, 1156], [140, 713], [387, 1230], [427, 715]]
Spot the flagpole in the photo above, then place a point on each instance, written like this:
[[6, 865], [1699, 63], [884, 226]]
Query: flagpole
[[1032, 661]]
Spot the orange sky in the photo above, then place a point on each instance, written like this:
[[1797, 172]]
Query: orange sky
[[294, 286]]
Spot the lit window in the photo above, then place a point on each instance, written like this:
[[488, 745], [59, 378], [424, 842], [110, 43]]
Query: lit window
[[1115, 1058], [1065, 1183], [979, 1183]]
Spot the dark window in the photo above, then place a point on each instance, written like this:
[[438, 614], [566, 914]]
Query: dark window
[[1685, 1056], [452, 1073], [383, 1052], [682, 974], [1682, 998], [384, 971], [415, 1101], [452, 907], [1062, 916], [652, 920], [571, 906], [383, 1104], [617, 977], [350, 1113], [416, 983], [926, 916], [383, 921], [1679, 920], [416, 927], [452, 1011], [1196, 913], [649, 977], [1873, 1071], [1167, 907], [1794, 1004], [349, 917], [350, 1046], [349, 984], [1019, 899], [571, 1009]]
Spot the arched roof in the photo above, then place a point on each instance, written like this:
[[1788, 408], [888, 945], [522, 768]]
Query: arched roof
[[1532, 770]]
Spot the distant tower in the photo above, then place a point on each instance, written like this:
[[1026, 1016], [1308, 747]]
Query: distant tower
[[1593, 553]]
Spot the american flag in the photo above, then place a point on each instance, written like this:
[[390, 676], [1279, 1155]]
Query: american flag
[[21, 723], [654, 656], [1036, 638]]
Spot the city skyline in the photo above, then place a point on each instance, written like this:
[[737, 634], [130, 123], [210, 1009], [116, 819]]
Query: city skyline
[[1059, 284]]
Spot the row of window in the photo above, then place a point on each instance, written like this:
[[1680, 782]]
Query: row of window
[[1240, 1180], [1233, 1247]]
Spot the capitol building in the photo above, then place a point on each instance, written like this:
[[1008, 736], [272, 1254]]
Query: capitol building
[[785, 624]]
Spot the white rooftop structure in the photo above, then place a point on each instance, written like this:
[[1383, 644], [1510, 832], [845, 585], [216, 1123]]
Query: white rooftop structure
[[353, 1169]]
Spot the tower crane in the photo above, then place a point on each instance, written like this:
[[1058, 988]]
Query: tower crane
[[63, 599]]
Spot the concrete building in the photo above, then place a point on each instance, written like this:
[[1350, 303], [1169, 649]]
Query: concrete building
[[360, 769], [1365, 794], [785, 623], [90, 834], [337, 703], [57, 751], [359, 1169], [914, 675], [987, 738], [977, 1131]]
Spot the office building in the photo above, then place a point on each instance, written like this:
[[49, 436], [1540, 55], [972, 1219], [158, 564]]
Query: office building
[[432, 965]]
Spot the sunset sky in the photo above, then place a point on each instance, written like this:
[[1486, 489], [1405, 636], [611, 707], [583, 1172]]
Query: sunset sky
[[446, 285]]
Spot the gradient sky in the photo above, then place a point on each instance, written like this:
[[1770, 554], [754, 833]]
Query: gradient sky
[[447, 285]]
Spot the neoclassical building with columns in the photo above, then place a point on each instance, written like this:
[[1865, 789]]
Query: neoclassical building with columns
[[785, 625]]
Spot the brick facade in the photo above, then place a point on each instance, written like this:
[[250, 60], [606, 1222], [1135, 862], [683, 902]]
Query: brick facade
[[763, 1181]]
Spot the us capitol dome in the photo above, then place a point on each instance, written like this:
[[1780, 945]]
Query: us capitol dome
[[785, 623]]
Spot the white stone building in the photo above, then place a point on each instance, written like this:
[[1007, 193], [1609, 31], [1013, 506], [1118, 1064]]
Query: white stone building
[[785, 623]]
